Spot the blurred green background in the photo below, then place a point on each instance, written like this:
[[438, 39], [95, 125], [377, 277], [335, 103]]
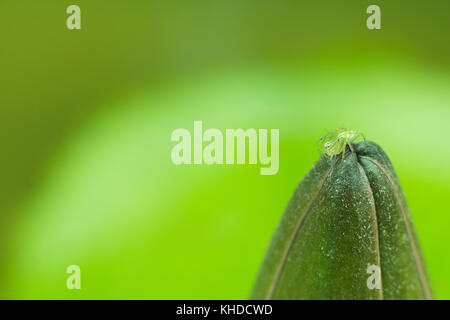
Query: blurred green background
[[86, 118]]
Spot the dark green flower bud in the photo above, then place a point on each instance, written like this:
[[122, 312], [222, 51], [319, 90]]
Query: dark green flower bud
[[346, 234]]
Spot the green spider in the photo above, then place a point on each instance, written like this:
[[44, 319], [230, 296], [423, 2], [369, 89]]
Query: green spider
[[336, 142]]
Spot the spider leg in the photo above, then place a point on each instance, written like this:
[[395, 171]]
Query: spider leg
[[351, 147], [343, 151]]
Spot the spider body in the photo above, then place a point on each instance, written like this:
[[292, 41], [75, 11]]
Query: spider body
[[336, 142]]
